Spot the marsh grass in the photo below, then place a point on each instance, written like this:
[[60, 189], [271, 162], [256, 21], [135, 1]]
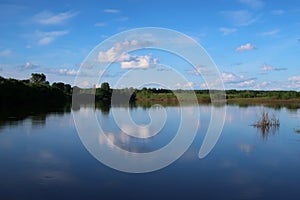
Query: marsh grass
[[267, 123]]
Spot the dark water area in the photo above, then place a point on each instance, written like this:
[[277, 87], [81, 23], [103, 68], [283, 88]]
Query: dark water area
[[42, 156]]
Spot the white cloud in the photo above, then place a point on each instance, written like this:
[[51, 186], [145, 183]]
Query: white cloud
[[240, 17], [118, 54], [277, 12], [138, 62], [48, 37], [246, 47], [5, 53], [237, 81], [113, 11], [227, 31], [69, 72], [271, 68], [294, 78], [294, 83], [189, 84], [270, 33], [85, 84], [48, 18], [252, 3]]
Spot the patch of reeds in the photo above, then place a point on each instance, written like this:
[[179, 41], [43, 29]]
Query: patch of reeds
[[267, 124], [266, 121]]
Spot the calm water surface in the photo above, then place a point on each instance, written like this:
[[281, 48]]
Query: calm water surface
[[42, 157]]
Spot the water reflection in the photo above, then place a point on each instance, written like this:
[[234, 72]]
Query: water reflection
[[52, 163], [266, 131], [36, 114]]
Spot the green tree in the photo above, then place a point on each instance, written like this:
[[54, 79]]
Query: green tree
[[38, 78]]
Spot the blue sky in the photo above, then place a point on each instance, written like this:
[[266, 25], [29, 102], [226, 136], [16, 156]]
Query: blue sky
[[254, 43]]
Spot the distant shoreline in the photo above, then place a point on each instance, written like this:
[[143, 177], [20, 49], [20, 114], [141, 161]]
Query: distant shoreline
[[37, 90]]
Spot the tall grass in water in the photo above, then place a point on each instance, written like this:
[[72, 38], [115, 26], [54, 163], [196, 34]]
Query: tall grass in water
[[267, 123]]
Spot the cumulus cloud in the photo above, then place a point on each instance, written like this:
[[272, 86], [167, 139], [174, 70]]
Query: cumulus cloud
[[118, 54], [231, 79], [252, 3], [271, 68], [240, 17], [246, 47], [113, 11], [48, 18], [5, 53], [48, 37], [294, 78], [294, 82], [138, 62], [227, 31]]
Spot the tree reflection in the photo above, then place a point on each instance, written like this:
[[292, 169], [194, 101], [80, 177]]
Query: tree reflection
[[37, 114]]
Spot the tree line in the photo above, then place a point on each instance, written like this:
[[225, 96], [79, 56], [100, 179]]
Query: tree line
[[37, 90]]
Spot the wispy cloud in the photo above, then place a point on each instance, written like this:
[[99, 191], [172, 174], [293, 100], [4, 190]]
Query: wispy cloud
[[48, 37], [227, 31], [48, 18], [64, 71], [100, 24], [122, 19], [240, 17], [271, 68], [5, 53], [270, 33], [246, 47], [28, 66], [113, 11], [232, 80], [252, 3], [277, 12]]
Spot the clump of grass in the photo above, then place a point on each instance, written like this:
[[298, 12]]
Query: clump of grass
[[265, 121], [267, 124]]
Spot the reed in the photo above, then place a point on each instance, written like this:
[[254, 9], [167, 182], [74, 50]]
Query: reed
[[266, 121]]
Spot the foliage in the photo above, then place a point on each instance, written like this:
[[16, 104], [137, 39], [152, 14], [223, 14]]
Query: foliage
[[34, 91], [38, 78]]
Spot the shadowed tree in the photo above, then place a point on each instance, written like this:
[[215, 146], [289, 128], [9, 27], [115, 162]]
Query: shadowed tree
[[38, 78]]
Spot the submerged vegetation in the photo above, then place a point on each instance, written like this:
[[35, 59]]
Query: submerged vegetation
[[267, 123]]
